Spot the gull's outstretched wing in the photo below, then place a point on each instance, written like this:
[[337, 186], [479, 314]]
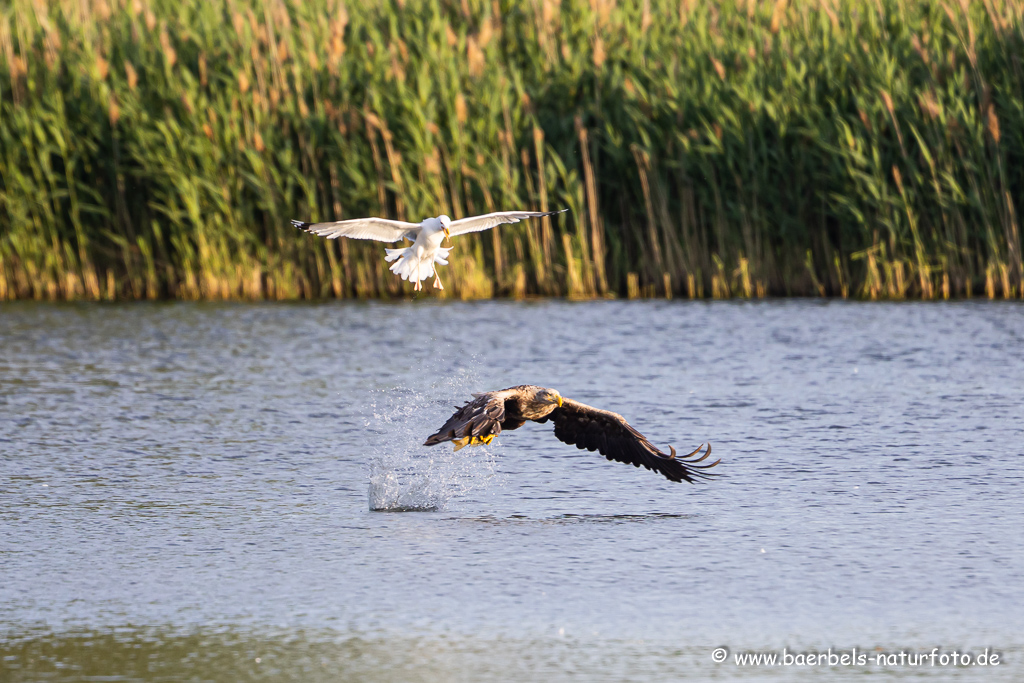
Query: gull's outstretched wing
[[489, 220], [613, 437], [380, 229], [480, 417]]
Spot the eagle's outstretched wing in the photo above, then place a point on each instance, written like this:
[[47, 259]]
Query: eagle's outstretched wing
[[613, 437], [380, 229], [490, 220], [480, 417]]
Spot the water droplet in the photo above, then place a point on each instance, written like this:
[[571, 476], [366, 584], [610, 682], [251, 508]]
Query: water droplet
[[407, 476]]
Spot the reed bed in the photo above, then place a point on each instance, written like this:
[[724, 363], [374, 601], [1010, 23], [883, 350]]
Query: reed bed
[[862, 148]]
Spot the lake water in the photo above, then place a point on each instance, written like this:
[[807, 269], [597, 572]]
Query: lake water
[[186, 492]]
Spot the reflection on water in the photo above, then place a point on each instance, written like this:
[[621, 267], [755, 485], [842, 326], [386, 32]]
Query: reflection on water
[[569, 518], [155, 655], [164, 655], [185, 489], [304, 657]]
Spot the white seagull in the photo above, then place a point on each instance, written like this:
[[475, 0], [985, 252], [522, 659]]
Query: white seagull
[[416, 263]]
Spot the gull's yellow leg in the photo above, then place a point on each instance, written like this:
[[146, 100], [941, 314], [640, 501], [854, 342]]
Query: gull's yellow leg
[[460, 443], [437, 281]]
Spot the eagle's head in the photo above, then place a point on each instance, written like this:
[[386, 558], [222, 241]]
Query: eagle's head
[[550, 397]]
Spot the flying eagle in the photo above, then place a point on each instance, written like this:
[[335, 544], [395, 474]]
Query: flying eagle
[[492, 412], [416, 263]]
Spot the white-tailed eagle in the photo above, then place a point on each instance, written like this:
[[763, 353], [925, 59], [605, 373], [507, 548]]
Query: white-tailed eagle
[[493, 412]]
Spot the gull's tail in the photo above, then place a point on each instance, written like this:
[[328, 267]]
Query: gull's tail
[[413, 268]]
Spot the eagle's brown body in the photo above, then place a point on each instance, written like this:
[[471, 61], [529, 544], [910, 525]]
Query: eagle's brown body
[[493, 412]]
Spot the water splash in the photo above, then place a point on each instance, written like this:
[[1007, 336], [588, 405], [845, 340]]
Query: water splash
[[405, 475]]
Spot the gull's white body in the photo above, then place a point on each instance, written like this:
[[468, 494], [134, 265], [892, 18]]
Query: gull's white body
[[416, 263]]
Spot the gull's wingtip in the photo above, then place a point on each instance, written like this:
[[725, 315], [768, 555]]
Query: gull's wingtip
[[301, 225]]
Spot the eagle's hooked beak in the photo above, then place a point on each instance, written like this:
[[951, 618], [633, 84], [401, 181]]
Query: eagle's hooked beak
[[559, 401]]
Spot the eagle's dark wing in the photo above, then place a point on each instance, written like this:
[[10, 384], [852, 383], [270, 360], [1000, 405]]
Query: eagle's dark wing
[[613, 437], [480, 417]]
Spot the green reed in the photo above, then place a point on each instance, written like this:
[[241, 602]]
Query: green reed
[[157, 148]]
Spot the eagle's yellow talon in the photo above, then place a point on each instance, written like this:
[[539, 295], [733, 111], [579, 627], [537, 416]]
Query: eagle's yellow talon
[[472, 441]]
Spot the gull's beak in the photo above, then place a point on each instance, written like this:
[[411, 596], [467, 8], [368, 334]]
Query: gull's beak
[[447, 234]]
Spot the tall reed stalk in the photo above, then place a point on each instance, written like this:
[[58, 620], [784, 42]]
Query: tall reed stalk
[[867, 148]]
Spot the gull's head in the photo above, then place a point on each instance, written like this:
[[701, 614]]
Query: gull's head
[[550, 397], [445, 222]]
